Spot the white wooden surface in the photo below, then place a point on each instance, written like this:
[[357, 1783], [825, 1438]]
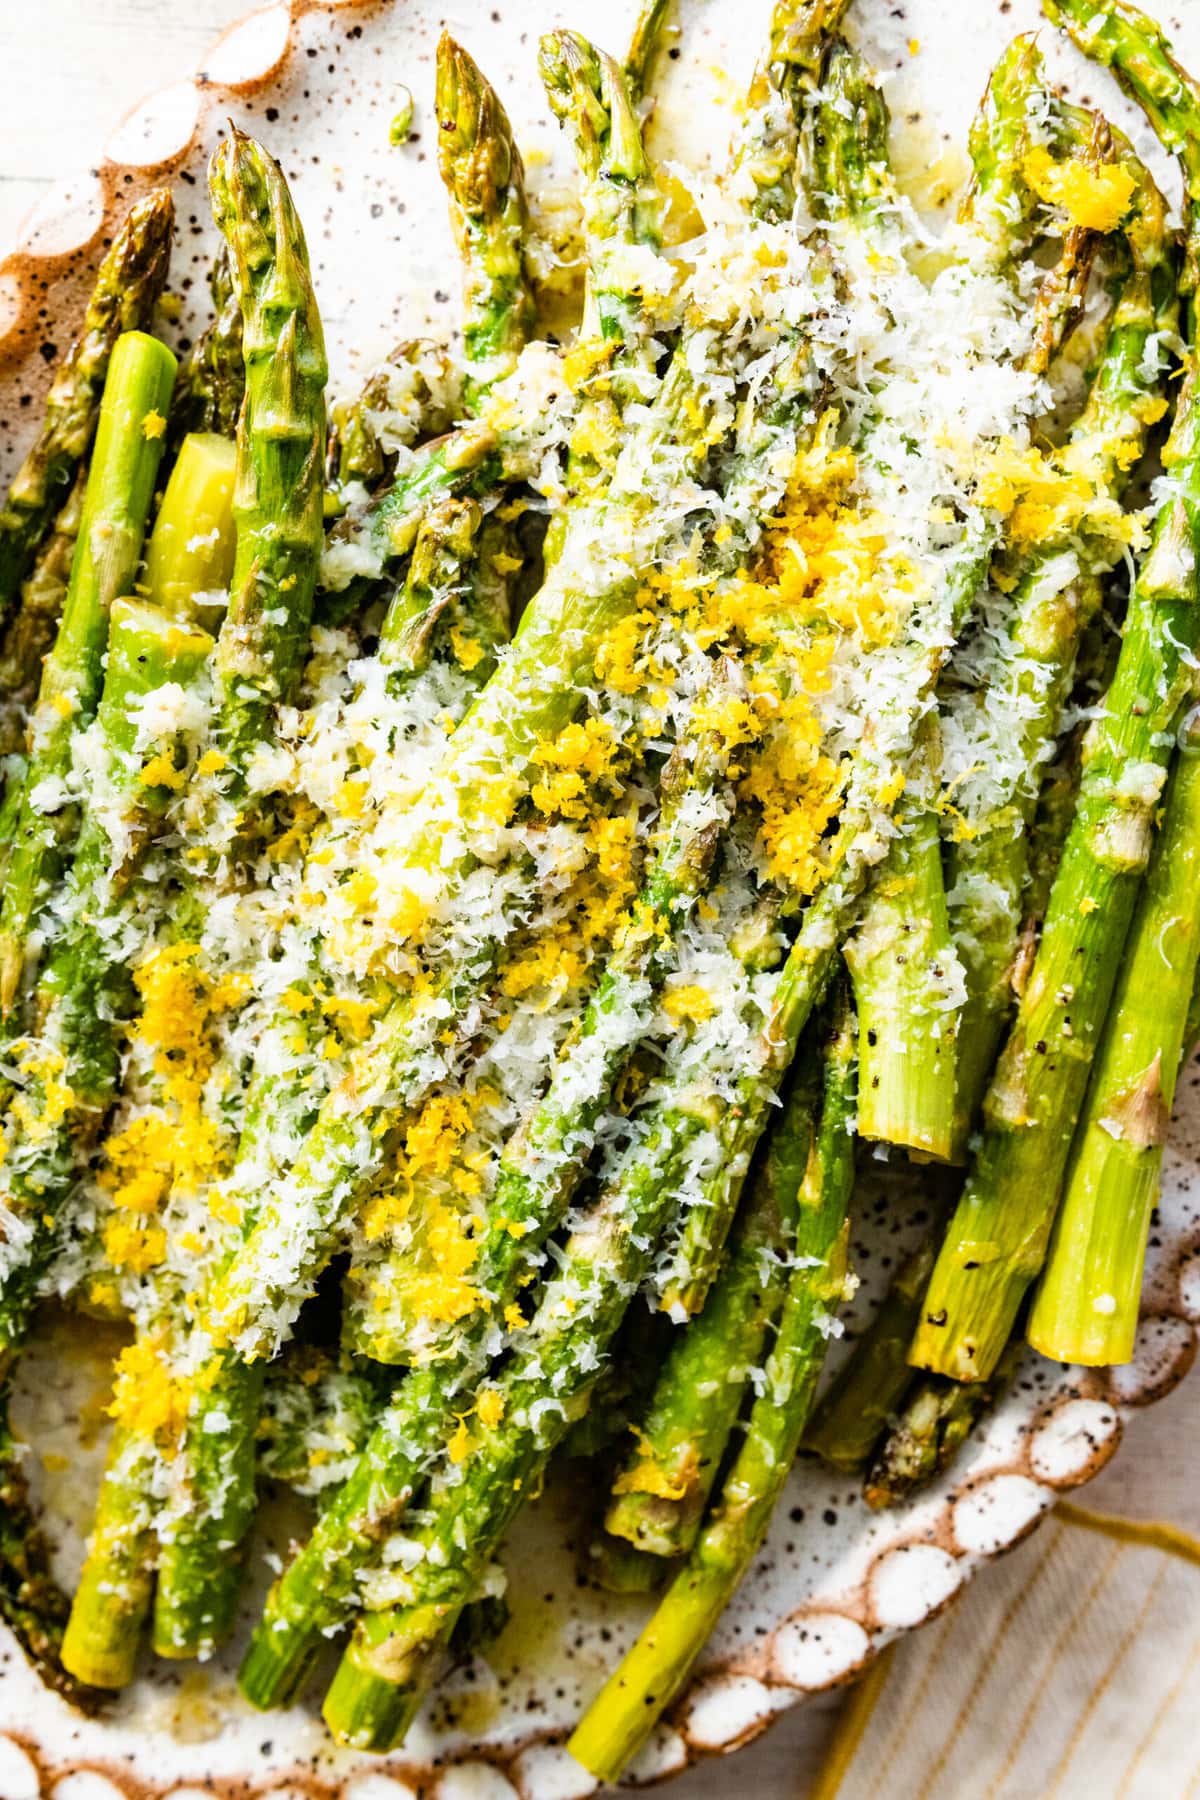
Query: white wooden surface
[[72, 68]]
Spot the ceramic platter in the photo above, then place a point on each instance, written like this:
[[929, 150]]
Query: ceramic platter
[[834, 1583]]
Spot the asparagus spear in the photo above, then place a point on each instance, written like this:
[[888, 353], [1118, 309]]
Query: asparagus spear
[[997, 1240], [128, 284], [69, 1070], [935, 1415], [420, 392], [317, 1415], [84, 994], [281, 445], [119, 490], [588, 93], [1139, 53], [624, 1713], [444, 558], [538, 1174], [875, 1382], [482, 170], [474, 460], [762, 171], [1086, 1308], [31, 1603], [663, 1486], [394, 1651], [277, 502], [1053, 599], [278, 517], [457, 591], [912, 990], [454, 551], [481, 167]]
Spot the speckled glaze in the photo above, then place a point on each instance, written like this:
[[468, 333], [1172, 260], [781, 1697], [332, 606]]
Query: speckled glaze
[[834, 1583]]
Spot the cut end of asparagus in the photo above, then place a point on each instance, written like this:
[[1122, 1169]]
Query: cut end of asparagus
[[96, 1657], [189, 558], [363, 1711], [277, 1664], [652, 1525], [1075, 1320], [620, 1567], [907, 1097]]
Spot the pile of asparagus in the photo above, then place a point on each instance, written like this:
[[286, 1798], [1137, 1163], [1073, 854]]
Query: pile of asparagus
[[478, 859]]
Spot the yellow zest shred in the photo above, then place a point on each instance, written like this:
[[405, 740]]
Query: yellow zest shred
[[147, 1398], [692, 1003], [1096, 197]]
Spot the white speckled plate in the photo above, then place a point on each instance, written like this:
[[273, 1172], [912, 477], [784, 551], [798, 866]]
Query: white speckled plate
[[833, 1584]]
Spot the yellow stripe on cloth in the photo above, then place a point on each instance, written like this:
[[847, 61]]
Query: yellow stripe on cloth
[[853, 1720], [1151, 1534]]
